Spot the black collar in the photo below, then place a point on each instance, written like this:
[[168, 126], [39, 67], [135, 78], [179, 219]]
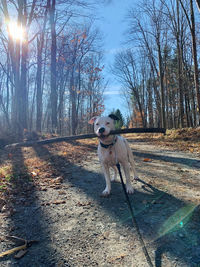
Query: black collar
[[109, 145]]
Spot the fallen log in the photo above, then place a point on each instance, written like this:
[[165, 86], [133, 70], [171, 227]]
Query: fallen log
[[85, 136]]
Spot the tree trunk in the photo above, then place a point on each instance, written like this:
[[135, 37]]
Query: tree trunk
[[53, 66], [73, 104], [163, 120], [40, 46], [39, 87], [23, 81], [194, 50], [150, 103], [179, 59]]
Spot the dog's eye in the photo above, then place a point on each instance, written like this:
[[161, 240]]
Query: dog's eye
[[97, 124], [107, 123]]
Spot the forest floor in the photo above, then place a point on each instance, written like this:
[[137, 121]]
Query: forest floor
[[52, 194]]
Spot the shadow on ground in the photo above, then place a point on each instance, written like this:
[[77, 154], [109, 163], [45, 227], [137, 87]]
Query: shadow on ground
[[167, 223], [184, 161], [169, 226], [29, 221], [194, 163]]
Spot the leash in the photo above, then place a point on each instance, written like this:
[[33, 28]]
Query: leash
[[134, 219]]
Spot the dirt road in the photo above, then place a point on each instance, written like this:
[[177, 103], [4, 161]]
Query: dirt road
[[61, 207]]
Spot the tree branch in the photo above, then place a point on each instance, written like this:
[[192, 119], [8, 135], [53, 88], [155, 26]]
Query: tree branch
[[86, 136]]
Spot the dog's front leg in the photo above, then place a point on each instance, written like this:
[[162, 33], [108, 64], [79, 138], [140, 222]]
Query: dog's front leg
[[106, 172], [114, 178], [129, 188]]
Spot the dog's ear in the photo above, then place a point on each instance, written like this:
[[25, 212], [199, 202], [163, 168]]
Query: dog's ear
[[92, 120], [114, 117]]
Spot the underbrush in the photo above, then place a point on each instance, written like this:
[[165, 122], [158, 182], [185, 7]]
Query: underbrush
[[185, 139], [186, 134]]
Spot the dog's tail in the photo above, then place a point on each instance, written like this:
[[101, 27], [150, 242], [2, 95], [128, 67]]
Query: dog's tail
[[131, 158]]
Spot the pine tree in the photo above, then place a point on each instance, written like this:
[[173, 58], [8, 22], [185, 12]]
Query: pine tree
[[120, 122]]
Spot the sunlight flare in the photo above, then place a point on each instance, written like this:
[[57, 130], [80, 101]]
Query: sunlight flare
[[178, 220], [15, 31]]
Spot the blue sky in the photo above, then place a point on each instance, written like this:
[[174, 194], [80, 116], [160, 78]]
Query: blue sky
[[113, 26]]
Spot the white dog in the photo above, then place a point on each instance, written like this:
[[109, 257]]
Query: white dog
[[113, 149]]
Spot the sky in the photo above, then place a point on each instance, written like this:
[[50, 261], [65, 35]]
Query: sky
[[113, 26]]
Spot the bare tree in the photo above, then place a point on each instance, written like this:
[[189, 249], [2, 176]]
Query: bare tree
[[43, 77], [125, 70], [18, 51], [191, 23], [40, 48]]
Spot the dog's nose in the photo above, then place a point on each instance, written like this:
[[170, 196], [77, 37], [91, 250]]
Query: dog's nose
[[102, 130]]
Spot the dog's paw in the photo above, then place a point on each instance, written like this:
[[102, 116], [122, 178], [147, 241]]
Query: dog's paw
[[105, 193], [129, 189]]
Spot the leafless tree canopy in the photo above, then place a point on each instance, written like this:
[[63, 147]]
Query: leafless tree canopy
[[160, 71], [51, 65], [51, 74]]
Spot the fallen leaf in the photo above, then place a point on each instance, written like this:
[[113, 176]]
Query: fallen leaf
[[62, 192], [146, 160], [56, 202], [119, 257], [42, 189], [106, 234], [34, 174], [56, 186], [57, 180], [83, 204]]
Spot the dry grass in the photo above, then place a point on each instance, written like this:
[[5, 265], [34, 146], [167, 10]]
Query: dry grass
[[186, 139]]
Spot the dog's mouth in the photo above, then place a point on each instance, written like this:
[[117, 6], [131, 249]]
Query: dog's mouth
[[103, 136]]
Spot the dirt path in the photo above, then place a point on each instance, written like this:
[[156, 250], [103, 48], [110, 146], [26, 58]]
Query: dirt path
[[63, 210]]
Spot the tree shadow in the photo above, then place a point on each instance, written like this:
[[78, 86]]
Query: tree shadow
[[194, 163], [191, 184], [28, 220], [168, 224]]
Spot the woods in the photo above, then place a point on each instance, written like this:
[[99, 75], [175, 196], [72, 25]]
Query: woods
[[160, 71], [52, 62], [50, 66]]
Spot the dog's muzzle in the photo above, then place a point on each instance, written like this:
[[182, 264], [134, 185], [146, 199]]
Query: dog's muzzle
[[102, 133], [101, 130]]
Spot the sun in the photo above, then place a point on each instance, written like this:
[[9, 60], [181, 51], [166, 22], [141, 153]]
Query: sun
[[15, 31]]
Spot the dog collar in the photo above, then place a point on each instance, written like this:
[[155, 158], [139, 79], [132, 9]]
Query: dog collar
[[109, 145]]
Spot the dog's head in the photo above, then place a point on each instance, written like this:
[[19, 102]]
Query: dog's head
[[103, 125]]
